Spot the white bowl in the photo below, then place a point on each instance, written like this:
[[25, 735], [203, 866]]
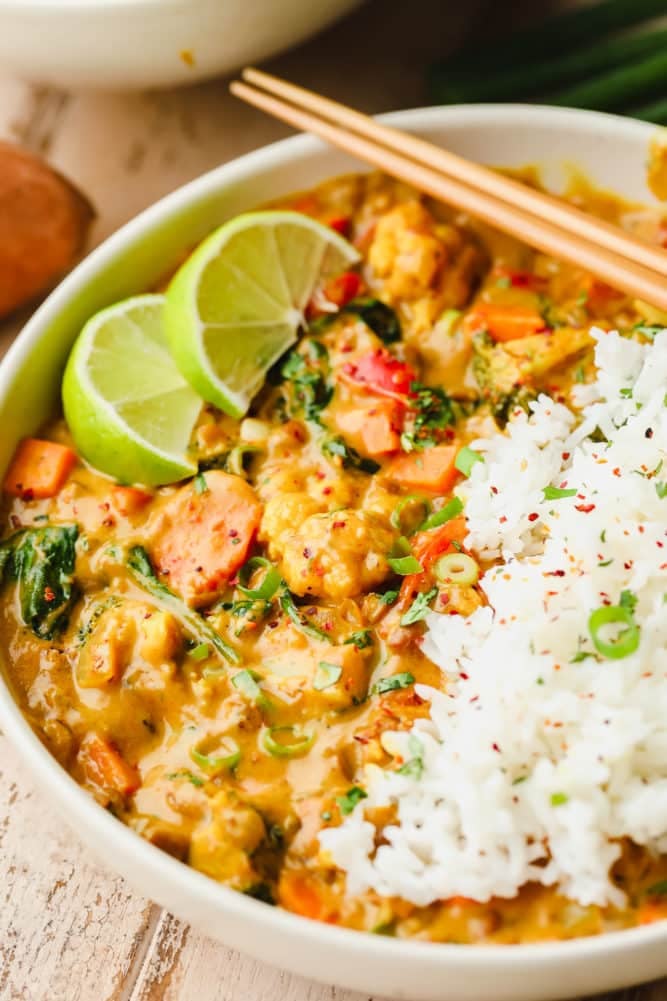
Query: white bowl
[[123, 44], [610, 150]]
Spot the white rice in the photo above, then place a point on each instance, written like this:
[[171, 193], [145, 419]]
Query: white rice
[[536, 761]]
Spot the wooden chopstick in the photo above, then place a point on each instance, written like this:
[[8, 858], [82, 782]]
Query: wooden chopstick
[[633, 278], [554, 210]]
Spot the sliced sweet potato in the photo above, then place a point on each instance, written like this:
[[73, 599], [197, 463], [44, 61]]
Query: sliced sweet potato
[[206, 531], [44, 222]]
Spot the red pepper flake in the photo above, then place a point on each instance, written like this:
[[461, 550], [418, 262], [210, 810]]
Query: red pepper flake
[[463, 676], [502, 519], [233, 533], [338, 524], [49, 594], [495, 747], [616, 471], [494, 490], [584, 508], [628, 565], [565, 456], [533, 516], [326, 491]]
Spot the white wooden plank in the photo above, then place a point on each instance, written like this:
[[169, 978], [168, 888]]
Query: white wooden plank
[[69, 931]]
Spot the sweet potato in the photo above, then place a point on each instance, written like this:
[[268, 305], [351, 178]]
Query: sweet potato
[[44, 222], [206, 532], [373, 428], [105, 767], [433, 469], [39, 469]]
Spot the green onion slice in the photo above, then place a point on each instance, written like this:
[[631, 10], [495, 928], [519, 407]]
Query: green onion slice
[[270, 583], [200, 652], [326, 675], [235, 462], [224, 755], [404, 565], [555, 493], [448, 511], [456, 568], [410, 501], [286, 741], [466, 459], [246, 682], [627, 640]]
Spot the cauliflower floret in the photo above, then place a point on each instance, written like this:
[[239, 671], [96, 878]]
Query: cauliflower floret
[[282, 513], [334, 555], [223, 848], [432, 265], [405, 251]]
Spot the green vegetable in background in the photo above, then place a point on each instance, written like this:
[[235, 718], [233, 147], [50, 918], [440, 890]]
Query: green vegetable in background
[[518, 79], [551, 36], [619, 87], [41, 563]]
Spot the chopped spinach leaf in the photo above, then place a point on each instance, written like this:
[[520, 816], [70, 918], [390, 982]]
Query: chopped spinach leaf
[[377, 315], [41, 562]]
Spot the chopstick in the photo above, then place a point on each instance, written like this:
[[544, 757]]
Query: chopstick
[[554, 227]]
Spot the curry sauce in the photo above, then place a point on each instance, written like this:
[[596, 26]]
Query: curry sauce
[[216, 661]]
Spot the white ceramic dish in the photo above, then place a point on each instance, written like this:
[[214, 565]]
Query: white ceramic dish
[[613, 152], [123, 44]]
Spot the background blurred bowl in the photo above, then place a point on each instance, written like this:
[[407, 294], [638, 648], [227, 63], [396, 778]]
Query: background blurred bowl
[[123, 44]]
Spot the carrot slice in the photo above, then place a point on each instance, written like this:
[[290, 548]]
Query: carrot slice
[[39, 469], [105, 767], [433, 469], [129, 500], [504, 323], [297, 893], [206, 531], [651, 911], [375, 427]]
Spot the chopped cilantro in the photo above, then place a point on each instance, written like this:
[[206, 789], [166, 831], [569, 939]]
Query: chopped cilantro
[[348, 802], [419, 608], [337, 447], [393, 683], [362, 639]]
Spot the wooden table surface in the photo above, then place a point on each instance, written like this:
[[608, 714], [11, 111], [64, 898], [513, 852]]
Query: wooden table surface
[[69, 929]]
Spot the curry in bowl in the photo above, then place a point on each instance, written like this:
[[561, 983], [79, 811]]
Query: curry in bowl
[[263, 669]]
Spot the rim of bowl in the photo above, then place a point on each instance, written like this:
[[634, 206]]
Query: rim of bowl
[[99, 822]]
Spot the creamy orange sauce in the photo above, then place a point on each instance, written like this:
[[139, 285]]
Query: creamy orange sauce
[[235, 768]]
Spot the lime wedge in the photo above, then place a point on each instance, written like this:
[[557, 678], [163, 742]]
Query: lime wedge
[[236, 304], [129, 409]]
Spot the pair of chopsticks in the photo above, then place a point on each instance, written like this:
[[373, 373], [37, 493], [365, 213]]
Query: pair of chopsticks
[[624, 261]]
